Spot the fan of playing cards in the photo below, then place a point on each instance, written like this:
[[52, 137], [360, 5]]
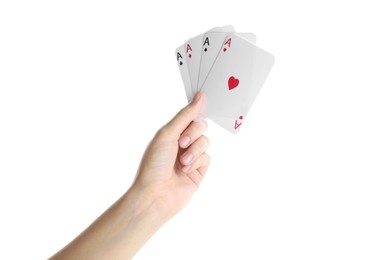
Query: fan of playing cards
[[228, 68]]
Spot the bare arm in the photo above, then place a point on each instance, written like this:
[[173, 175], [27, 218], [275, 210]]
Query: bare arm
[[170, 172]]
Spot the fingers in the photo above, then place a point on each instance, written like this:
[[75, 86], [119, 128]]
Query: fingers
[[192, 133], [181, 121], [194, 151], [197, 170], [200, 164]]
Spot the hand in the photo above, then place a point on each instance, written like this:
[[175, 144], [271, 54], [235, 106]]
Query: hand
[[175, 161], [171, 170]]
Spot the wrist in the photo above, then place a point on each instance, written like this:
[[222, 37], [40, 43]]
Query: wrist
[[145, 205]]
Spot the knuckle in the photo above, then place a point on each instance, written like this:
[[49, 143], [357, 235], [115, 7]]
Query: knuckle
[[197, 128], [201, 126], [206, 160], [193, 129], [205, 124], [183, 111], [162, 132], [205, 140]]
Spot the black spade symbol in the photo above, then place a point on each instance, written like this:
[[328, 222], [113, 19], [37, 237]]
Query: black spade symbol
[[205, 49], [181, 63]]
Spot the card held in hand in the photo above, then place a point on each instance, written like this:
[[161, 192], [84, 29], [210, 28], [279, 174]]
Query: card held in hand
[[234, 81], [229, 69]]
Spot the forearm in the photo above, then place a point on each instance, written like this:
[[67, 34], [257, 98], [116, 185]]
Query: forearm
[[170, 177], [120, 231]]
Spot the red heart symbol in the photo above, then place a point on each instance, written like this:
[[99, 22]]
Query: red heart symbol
[[224, 49], [190, 55], [233, 82]]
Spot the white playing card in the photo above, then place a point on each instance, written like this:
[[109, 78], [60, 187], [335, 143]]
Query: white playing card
[[232, 125], [183, 67], [226, 28], [234, 81], [193, 51], [211, 45]]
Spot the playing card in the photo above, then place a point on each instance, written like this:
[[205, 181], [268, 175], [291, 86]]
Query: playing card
[[211, 45], [193, 51], [183, 67], [232, 125], [234, 81]]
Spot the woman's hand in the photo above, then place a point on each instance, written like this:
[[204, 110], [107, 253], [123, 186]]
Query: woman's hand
[[175, 162]]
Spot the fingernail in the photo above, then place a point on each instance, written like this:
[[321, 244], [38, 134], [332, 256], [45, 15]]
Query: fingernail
[[186, 168], [184, 141], [196, 98], [186, 158]]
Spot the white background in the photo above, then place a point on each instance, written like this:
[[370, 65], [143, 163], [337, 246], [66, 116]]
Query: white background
[[85, 84]]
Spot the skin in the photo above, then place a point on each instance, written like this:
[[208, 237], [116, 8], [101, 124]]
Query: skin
[[170, 172]]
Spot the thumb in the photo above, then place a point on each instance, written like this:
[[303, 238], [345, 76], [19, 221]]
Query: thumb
[[185, 116]]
